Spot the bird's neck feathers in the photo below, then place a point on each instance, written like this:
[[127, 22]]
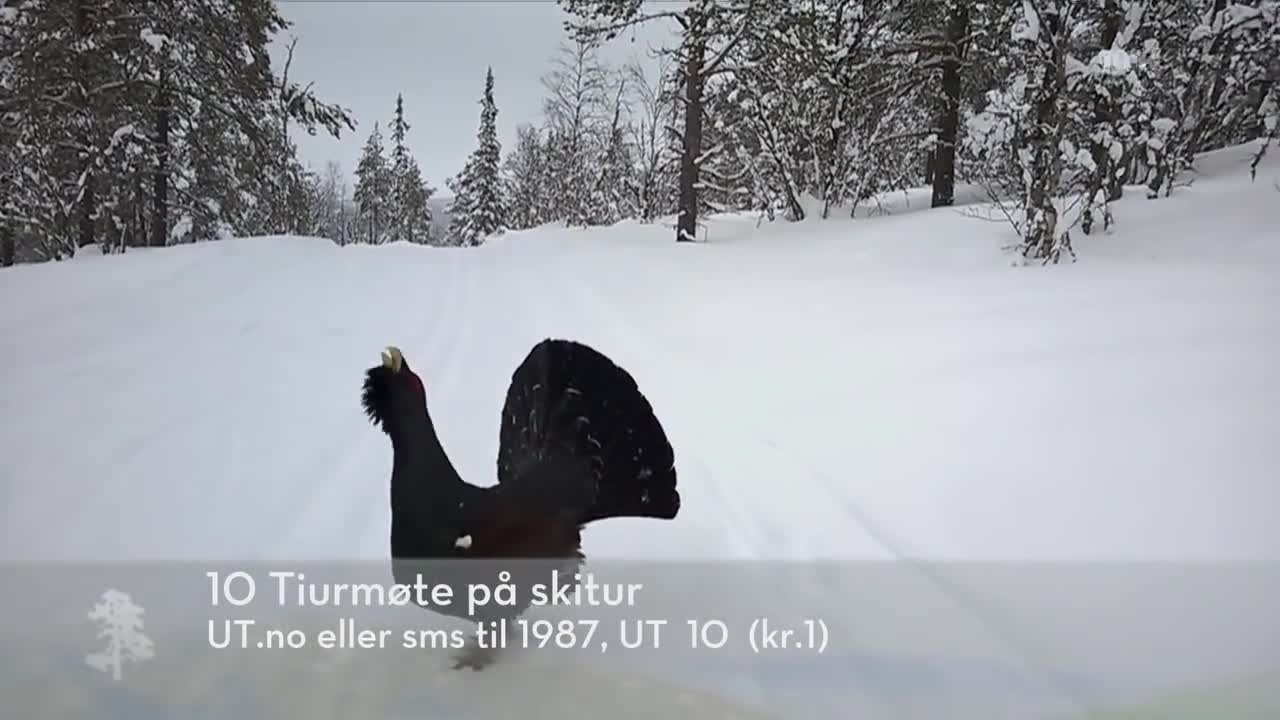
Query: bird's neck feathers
[[422, 477], [413, 437], [427, 496]]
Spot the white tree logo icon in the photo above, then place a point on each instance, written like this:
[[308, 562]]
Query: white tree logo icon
[[121, 622]]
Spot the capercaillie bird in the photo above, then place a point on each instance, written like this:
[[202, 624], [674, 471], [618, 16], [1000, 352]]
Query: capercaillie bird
[[578, 443]]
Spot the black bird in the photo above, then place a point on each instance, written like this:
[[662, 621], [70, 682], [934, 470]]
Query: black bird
[[578, 443]]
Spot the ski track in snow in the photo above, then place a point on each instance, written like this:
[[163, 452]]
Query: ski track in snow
[[759, 534], [289, 334], [431, 349], [156, 345]]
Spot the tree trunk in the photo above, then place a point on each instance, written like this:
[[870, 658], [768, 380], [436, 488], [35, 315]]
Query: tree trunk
[[944, 159], [687, 224], [8, 248], [160, 194], [1042, 239], [139, 235], [1116, 174], [88, 202], [342, 215], [85, 206], [1105, 182]]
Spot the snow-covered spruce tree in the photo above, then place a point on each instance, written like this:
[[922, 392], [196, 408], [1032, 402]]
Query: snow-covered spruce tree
[[477, 208], [373, 189], [526, 190], [410, 194], [9, 181], [458, 210], [63, 93], [251, 181], [11, 205], [113, 107]]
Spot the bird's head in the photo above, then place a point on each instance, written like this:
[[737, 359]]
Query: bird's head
[[394, 397]]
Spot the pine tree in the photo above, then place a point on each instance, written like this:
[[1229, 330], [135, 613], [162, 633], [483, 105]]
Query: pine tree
[[410, 195], [477, 209], [373, 184]]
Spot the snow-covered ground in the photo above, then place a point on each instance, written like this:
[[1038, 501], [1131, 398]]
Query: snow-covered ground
[[886, 388]]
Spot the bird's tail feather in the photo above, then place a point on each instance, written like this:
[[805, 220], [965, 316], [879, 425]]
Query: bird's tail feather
[[570, 406]]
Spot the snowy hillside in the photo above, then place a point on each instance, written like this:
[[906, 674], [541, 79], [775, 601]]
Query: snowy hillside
[[876, 389]]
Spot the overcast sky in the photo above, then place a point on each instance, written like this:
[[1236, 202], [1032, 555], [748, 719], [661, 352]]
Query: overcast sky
[[360, 53]]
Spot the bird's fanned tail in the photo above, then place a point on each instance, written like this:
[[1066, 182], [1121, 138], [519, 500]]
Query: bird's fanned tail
[[576, 426]]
